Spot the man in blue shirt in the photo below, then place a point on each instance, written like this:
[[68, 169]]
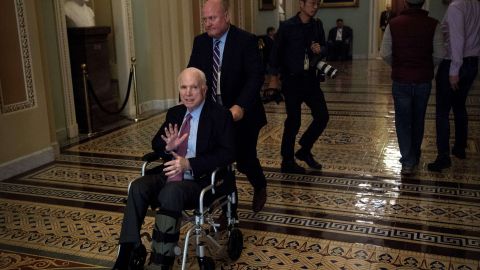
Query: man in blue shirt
[[190, 158]]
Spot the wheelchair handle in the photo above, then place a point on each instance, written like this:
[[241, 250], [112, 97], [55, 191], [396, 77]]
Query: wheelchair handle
[[212, 179], [207, 188]]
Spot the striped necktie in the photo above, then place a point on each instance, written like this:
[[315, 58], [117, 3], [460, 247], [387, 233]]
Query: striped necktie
[[216, 72], [182, 148]]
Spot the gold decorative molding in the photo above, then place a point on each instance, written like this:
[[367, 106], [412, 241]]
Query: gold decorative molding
[[24, 44], [338, 3]]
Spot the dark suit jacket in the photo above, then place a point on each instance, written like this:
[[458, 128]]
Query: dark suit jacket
[[241, 72], [267, 49], [347, 34], [215, 140]]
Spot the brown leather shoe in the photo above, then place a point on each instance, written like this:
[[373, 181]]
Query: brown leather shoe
[[259, 199]]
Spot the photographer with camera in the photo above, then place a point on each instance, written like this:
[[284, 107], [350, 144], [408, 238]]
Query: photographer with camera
[[299, 45]]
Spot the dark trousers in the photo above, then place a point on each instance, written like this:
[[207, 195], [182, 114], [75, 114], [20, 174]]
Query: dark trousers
[[296, 90], [338, 50], [448, 99], [246, 137], [153, 190], [410, 107]]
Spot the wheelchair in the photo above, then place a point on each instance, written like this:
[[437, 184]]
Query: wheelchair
[[212, 200]]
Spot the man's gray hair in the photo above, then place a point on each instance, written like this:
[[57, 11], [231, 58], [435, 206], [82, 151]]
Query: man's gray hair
[[200, 74]]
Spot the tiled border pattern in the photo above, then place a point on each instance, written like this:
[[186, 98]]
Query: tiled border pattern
[[92, 234], [24, 42], [16, 260]]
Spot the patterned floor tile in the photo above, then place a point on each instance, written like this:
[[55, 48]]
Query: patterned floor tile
[[15, 260], [357, 213]]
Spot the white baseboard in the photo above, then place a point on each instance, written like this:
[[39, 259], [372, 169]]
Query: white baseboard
[[26, 163]]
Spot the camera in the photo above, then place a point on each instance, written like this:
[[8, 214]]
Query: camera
[[327, 69]]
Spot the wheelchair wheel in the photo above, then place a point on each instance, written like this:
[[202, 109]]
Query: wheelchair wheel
[[138, 257], [235, 244], [206, 263]]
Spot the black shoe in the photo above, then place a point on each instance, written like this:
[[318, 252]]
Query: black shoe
[[130, 256], [459, 153], [439, 164], [308, 158], [259, 199], [290, 166], [124, 252], [407, 170]]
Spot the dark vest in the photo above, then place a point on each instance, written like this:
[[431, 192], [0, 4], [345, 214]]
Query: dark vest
[[412, 46]]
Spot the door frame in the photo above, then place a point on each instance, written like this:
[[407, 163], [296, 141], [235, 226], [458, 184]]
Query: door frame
[[376, 8], [125, 51]]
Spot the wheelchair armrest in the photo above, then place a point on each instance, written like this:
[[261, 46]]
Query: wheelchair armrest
[[213, 184], [149, 157], [213, 179]]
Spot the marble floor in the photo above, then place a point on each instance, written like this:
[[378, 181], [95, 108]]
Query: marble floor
[[357, 213]]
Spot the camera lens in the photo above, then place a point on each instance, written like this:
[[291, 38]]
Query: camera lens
[[327, 69]]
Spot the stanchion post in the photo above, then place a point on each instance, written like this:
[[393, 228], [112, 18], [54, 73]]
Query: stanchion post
[[87, 102], [135, 92]]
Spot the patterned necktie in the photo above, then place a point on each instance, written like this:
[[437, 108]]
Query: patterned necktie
[[182, 148], [216, 71]]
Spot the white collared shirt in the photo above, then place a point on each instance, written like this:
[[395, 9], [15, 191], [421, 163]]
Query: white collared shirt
[[339, 34]]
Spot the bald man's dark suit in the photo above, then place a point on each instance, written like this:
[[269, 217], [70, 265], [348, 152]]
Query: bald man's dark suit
[[241, 80], [214, 148]]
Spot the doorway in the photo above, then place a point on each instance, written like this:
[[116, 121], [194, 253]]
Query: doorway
[[376, 34], [123, 51]]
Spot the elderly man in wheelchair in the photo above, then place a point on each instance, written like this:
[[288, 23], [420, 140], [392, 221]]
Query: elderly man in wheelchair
[[194, 141]]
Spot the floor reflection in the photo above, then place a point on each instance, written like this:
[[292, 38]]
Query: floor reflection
[[357, 213]]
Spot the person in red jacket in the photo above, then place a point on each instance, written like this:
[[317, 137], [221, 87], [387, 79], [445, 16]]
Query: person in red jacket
[[412, 45]]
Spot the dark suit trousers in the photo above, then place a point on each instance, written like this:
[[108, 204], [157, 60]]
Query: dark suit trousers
[[152, 190], [447, 99], [338, 50], [298, 89], [246, 136]]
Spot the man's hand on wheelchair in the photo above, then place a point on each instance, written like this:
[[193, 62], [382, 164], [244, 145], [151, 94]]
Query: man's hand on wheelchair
[[177, 165], [171, 137]]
